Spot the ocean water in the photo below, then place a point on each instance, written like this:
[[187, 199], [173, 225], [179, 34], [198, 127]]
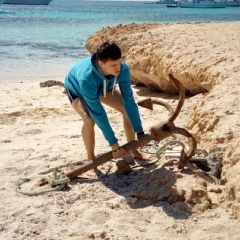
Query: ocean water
[[43, 42]]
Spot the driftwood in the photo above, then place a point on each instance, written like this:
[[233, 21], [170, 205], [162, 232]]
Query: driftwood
[[51, 83]]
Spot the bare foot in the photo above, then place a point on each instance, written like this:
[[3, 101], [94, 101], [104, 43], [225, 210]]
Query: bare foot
[[137, 155], [93, 173]]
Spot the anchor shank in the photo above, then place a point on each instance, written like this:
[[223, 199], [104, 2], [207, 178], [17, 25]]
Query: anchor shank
[[105, 158], [181, 89]]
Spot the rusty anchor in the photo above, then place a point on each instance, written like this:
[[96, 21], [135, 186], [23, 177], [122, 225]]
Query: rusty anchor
[[156, 133], [166, 129]]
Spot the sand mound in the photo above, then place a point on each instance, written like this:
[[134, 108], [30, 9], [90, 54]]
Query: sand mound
[[205, 57]]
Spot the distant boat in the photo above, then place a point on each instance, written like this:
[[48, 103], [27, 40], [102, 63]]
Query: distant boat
[[172, 5], [233, 3], [149, 2], [166, 2], [28, 2], [1, 2], [202, 4]]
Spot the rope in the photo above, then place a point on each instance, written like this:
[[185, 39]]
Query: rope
[[57, 188], [160, 150], [58, 183], [163, 147]]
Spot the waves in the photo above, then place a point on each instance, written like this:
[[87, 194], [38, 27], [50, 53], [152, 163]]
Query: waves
[[52, 37], [19, 50]]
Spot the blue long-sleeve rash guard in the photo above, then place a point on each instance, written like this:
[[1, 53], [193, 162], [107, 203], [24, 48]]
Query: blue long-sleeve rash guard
[[86, 82]]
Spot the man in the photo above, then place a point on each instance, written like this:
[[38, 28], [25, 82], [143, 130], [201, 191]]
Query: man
[[90, 83]]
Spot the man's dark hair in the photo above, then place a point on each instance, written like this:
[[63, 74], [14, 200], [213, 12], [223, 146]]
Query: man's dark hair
[[108, 51]]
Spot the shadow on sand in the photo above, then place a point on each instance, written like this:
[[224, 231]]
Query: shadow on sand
[[147, 186]]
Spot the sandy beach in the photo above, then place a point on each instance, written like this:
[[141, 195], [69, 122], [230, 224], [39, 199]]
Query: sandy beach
[[40, 131]]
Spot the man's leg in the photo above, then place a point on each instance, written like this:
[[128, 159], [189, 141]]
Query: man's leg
[[87, 128], [115, 101]]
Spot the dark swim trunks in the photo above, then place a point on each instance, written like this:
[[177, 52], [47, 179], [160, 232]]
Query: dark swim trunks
[[71, 96]]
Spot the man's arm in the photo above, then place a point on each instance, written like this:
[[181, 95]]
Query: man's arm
[[129, 101]]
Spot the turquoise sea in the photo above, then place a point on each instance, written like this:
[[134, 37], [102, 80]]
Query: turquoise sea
[[43, 42]]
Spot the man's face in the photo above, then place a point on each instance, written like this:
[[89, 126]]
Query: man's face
[[112, 67]]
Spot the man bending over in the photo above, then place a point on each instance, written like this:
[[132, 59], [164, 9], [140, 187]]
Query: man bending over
[[90, 83]]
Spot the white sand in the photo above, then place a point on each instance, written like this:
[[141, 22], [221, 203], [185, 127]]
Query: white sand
[[39, 130]]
